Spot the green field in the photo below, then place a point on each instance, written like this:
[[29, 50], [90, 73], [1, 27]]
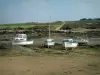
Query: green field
[[28, 25], [53, 24], [76, 26]]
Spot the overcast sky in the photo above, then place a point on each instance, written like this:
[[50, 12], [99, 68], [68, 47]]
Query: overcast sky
[[17, 11]]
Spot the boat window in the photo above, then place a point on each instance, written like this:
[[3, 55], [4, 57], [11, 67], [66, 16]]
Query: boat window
[[52, 40], [21, 39], [19, 36], [24, 36]]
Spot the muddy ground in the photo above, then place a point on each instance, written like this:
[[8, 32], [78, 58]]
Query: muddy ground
[[50, 65]]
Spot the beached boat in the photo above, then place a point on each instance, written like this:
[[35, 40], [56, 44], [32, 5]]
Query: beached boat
[[69, 43], [49, 42], [21, 39]]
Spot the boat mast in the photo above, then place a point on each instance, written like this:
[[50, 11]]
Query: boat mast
[[49, 29]]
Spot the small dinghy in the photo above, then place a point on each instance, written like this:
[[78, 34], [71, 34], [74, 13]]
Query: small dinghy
[[69, 43], [21, 39], [82, 41], [49, 42]]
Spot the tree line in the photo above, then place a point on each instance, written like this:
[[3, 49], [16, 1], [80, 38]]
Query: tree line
[[84, 19]]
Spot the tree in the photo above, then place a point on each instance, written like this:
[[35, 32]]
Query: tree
[[83, 19]]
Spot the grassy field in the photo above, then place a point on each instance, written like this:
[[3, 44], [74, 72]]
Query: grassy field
[[16, 26], [28, 25], [54, 24], [57, 24]]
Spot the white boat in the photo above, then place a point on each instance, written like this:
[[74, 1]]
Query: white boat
[[49, 42], [21, 39], [82, 41], [69, 43]]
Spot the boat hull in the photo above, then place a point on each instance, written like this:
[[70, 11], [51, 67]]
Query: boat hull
[[22, 42], [49, 44], [69, 45]]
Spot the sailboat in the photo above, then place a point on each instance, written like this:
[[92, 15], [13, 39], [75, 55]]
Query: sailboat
[[21, 39], [69, 43], [49, 42]]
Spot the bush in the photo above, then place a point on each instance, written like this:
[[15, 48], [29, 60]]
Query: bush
[[5, 46]]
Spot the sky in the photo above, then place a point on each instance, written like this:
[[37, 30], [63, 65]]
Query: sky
[[22, 11]]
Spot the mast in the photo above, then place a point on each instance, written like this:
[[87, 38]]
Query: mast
[[49, 29]]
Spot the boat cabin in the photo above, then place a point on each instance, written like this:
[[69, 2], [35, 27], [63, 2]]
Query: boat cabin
[[20, 37]]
